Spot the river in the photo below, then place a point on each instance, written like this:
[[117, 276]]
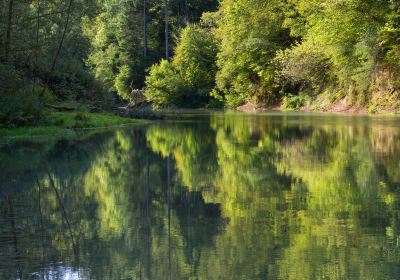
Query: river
[[209, 196]]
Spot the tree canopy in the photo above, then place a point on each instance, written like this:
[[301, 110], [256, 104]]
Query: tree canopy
[[220, 53]]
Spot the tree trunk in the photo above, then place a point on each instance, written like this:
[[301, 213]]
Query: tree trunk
[[186, 13], [144, 29], [37, 35], [35, 68], [166, 29], [8, 32], [53, 65]]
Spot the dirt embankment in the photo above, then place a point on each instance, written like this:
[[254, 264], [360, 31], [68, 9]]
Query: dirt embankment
[[383, 97], [339, 106], [250, 107]]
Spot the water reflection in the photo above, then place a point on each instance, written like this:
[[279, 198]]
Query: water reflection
[[219, 196]]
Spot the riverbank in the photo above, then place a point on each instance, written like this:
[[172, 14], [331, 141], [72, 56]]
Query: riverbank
[[60, 123], [339, 107]]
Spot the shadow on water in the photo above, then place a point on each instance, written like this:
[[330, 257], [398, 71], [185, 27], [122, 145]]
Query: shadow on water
[[218, 196]]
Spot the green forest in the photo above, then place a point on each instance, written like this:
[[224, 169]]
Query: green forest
[[95, 56]]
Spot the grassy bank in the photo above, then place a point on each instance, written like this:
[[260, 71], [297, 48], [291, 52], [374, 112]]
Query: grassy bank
[[60, 123]]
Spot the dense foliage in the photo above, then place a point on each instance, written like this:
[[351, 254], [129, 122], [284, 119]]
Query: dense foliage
[[269, 50], [235, 52], [189, 79], [84, 50]]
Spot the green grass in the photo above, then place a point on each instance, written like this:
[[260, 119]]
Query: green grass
[[86, 120], [60, 123]]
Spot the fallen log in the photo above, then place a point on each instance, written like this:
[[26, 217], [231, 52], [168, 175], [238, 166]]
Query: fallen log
[[59, 107]]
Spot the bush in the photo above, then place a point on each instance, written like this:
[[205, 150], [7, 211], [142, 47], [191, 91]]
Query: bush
[[304, 65], [228, 97], [10, 80], [19, 104], [389, 39], [295, 102], [81, 120], [20, 108], [188, 80], [123, 81], [164, 86], [81, 116]]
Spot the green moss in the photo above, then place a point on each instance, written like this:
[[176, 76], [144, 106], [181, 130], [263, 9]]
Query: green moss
[[61, 123]]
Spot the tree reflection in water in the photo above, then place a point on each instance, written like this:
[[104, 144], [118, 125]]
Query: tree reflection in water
[[220, 196]]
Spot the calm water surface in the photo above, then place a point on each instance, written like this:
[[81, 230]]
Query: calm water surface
[[212, 196]]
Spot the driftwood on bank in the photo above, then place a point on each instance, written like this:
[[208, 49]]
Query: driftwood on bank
[[136, 97], [59, 107]]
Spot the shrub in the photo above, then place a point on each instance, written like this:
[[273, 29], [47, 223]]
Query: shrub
[[295, 102], [304, 65], [188, 80], [164, 86], [81, 120], [81, 116], [122, 82], [10, 80], [228, 97], [23, 107]]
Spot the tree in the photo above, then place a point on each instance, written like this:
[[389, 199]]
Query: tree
[[164, 86], [195, 56], [166, 30], [188, 80], [250, 32], [144, 29], [60, 45], [9, 30], [345, 34]]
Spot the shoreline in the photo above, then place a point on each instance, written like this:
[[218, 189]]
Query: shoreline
[[66, 124], [338, 107]]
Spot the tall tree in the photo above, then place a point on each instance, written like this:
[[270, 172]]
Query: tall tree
[[144, 29], [166, 29], [8, 32], [250, 32], [60, 45]]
